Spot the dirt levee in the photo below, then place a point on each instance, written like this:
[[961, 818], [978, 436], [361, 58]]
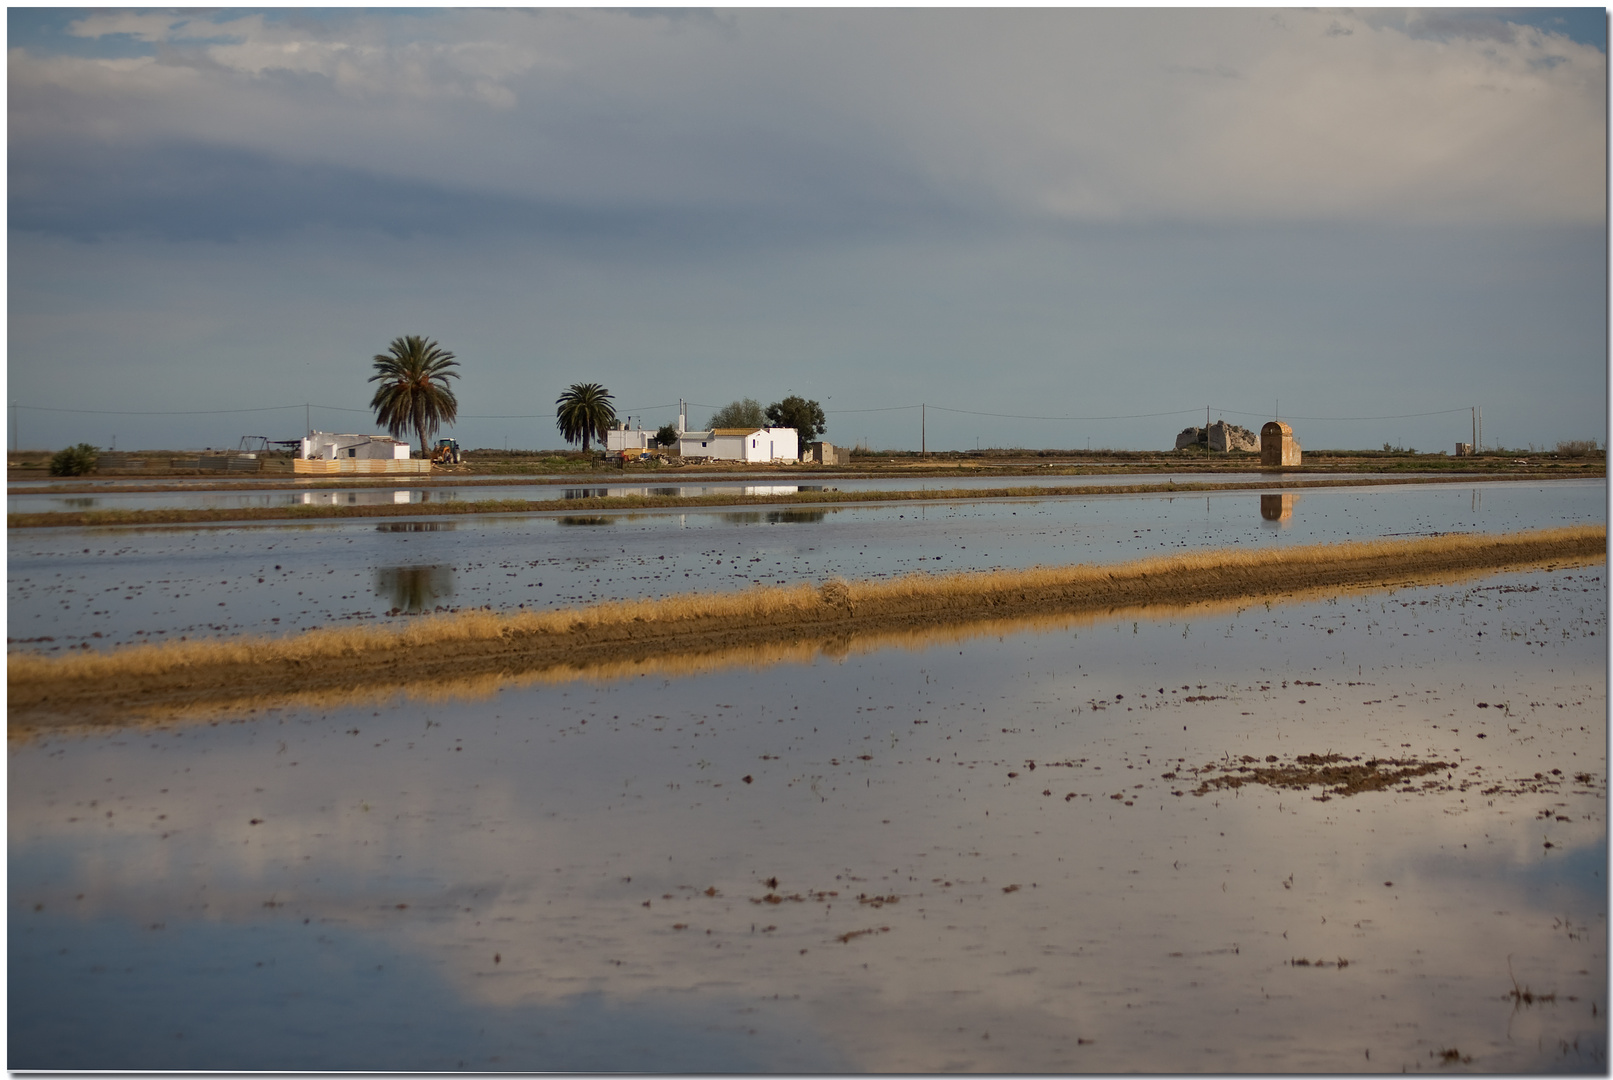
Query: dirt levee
[[130, 684]]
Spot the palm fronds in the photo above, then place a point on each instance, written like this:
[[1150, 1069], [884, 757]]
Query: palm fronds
[[414, 394], [584, 411]]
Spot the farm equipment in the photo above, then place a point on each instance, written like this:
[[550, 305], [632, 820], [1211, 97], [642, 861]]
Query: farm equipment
[[446, 453]]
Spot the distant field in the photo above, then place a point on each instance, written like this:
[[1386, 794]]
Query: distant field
[[219, 515]]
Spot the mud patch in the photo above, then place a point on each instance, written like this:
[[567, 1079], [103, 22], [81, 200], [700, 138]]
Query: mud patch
[[1337, 774]]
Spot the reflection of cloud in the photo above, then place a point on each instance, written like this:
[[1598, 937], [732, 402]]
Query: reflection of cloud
[[565, 808]]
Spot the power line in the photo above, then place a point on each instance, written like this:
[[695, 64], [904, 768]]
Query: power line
[[168, 412], [1400, 416], [1018, 416], [696, 404]]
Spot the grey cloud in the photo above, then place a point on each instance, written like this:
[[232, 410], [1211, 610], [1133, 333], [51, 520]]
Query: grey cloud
[[1036, 113], [1219, 71], [189, 191]]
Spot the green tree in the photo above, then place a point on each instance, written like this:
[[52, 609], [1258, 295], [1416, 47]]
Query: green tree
[[667, 435], [739, 414], [74, 461], [806, 417], [584, 411], [414, 393]]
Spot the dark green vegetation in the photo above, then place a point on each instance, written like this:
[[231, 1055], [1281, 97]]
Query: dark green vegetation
[[74, 461], [584, 411], [806, 417], [666, 435], [736, 414], [414, 393]]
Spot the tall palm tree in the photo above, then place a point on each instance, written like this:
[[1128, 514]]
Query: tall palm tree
[[584, 411], [414, 393]]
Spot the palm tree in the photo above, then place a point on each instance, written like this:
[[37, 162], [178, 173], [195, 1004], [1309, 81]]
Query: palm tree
[[584, 411], [414, 393]]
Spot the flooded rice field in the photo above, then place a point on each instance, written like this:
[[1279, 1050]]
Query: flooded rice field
[[32, 497], [1138, 842], [92, 588]]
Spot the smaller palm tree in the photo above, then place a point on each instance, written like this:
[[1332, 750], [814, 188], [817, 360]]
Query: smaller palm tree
[[414, 393], [584, 411]]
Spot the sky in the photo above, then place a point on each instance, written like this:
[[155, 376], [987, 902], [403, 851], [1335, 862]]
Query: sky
[[1050, 228]]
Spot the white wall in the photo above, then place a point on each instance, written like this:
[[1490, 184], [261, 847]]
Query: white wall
[[629, 439], [329, 447], [761, 445]]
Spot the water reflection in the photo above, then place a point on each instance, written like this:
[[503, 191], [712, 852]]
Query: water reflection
[[414, 588], [360, 498], [667, 875], [81, 504], [586, 519], [773, 517], [1278, 507], [416, 526]]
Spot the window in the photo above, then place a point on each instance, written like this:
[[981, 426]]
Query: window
[[352, 451]]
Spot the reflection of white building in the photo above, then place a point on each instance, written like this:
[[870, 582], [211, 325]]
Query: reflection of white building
[[742, 444], [324, 446]]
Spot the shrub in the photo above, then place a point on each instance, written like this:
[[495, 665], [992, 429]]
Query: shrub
[[1577, 448], [74, 461]]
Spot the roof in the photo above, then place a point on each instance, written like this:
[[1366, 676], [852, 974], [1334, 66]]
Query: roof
[[736, 430]]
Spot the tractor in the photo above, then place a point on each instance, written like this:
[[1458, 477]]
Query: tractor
[[446, 453]]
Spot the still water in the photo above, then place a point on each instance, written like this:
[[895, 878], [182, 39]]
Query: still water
[[968, 853], [72, 588], [25, 498]]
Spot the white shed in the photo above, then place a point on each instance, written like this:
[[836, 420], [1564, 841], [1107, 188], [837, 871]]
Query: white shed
[[324, 446], [619, 439], [742, 444]]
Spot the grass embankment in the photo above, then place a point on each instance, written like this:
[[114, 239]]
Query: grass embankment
[[149, 680], [627, 503]]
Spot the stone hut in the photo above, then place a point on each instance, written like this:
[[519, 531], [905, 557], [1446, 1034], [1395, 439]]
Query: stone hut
[[825, 453], [1278, 447], [1220, 437]]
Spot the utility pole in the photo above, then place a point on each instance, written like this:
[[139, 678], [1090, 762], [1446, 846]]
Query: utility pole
[[307, 423], [924, 450], [1473, 410]]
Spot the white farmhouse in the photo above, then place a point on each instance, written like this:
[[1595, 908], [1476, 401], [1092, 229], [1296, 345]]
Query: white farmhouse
[[323, 446], [742, 444]]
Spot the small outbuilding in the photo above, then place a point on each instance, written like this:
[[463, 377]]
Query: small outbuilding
[[323, 446], [323, 453], [742, 444], [1278, 447], [825, 453]]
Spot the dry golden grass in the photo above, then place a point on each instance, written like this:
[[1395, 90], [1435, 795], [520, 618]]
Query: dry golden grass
[[941, 596]]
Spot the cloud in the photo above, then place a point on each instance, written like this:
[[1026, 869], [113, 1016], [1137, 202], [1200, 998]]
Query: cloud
[[1069, 115]]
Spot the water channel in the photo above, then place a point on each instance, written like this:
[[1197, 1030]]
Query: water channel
[[99, 587]]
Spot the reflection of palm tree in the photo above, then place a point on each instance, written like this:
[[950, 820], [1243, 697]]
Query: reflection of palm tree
[[414, 393], [414, 588], [584, 411]]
